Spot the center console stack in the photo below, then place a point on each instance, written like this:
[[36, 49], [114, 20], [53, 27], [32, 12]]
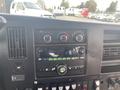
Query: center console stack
[[48, 54]]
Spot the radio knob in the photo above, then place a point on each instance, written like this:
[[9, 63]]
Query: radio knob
[[81, 50], [79, 37], [63, 37], [62, 69], [47, 38]]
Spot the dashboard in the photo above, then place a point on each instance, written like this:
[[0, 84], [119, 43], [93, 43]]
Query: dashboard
[[48, 54]]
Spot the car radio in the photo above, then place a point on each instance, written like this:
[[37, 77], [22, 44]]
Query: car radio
[[57, 60]]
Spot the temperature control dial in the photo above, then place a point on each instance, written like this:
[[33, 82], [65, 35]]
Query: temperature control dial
[[47, 38], [79, 37], [63, 37]]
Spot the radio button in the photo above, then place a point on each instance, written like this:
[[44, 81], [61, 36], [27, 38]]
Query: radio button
[[85, 86], [60, 88], [73, 86], [53, 69], [46, 69], [40, 89], [78, 86], [46, 88], [67, 87], [97, 83], [54, 88], [15, 78], [39, 59], [69, 68]]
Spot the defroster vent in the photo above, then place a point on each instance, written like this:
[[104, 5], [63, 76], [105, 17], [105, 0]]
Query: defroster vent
[[16, 42]]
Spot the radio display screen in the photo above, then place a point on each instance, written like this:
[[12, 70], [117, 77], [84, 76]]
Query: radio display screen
[[60, 53]]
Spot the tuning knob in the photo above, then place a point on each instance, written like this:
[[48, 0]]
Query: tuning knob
[[62, 69], [79, 37], [82, 50]]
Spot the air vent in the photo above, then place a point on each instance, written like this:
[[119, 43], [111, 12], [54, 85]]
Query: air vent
[[111, 53], [112, 36], [110, 69], [16, 42]]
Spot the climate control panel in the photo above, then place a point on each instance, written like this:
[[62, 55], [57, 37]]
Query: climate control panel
[[60, 37], [60, 53]]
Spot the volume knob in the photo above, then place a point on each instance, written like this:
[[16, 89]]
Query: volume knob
[[62, 69]]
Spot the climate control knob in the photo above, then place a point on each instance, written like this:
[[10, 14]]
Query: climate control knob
[[63, 37], [47, 38], [62, 69], [79, 37]]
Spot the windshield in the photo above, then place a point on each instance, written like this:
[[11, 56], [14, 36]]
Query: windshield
[[30, 5], [72, 10]]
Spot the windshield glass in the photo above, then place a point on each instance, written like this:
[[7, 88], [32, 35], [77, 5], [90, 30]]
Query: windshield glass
[[73, 10], [30, 5]]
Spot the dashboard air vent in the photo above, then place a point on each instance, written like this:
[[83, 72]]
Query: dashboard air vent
[[16, 42], [111, 53]]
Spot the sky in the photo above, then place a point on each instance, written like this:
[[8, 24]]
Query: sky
[[101, 4]]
